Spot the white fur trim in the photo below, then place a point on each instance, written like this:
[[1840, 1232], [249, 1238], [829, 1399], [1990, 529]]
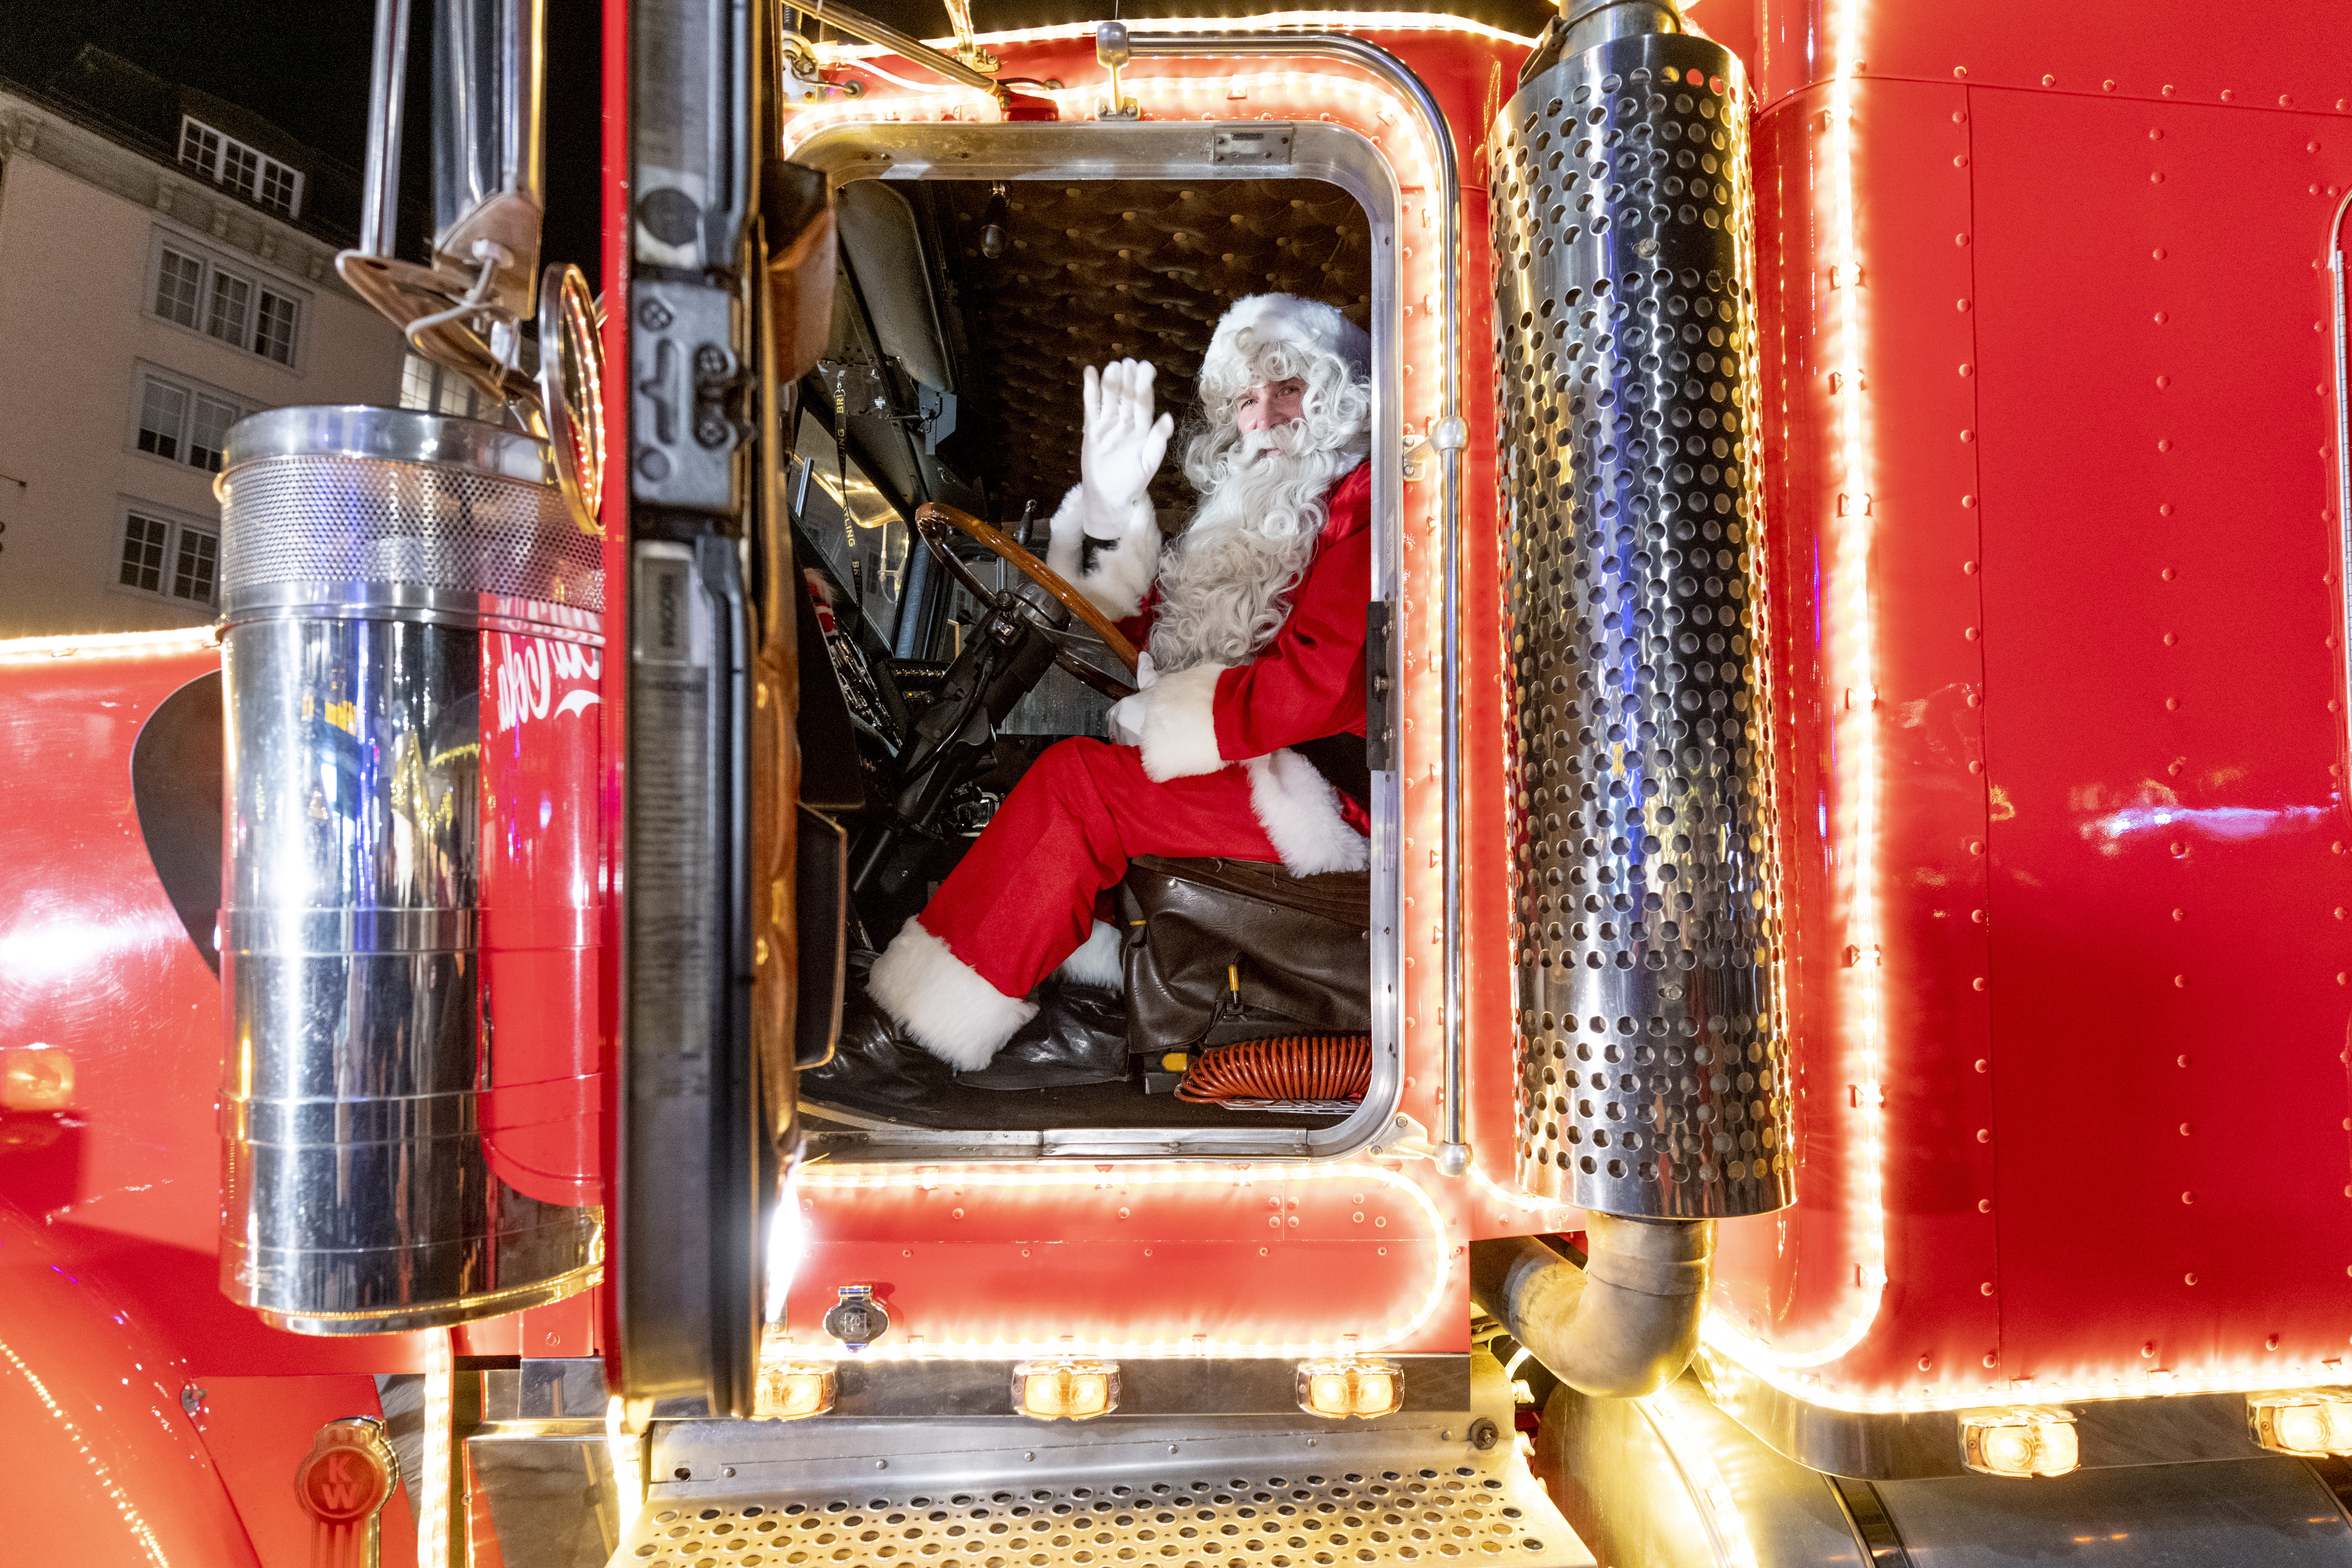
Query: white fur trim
[[1180, 724], [1099, 961], [1279, 318], [1126, 561], [1300, 813], [942, 1002]]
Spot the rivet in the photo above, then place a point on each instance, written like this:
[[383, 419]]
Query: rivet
[[1967, 370], [2188, 1197], [2180, 983], [2172, 704], [1968, 500], [1983, 1066], [2048, 81], [1978, 983], [2169, 640], [2184, 1130], [2109, 85], [1969, 568], [1991, 1359], [2148, 1351], [2158, 254], [1959, 304], [2182, 1061], [1984, 1206], [2189, 1280], [2160, 318], [1926, 1362], [1984, 1134]]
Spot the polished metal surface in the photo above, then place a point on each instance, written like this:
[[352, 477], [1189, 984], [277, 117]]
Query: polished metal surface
[[356, 1194], [1672, 1481], [1651, 1047], [1447, 434], [387, 95], [858, 24], [1064, 155], [489, 108], [965, 1494], [381, 511], [2174, 1428]]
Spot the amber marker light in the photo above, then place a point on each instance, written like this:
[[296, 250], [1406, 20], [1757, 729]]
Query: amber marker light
[[2310, 1423], [36, 1077], [1339, 1389], [1066, 1390], [790, 1390], [2024, 1440]]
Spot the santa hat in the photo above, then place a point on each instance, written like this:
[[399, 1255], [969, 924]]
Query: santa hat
[[1309, 324]]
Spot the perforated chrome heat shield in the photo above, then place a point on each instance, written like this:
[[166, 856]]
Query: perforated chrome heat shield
[[1652, 1052], [367, 554]]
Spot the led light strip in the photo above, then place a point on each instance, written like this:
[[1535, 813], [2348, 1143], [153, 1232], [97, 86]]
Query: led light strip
[[1852, 584], [850, 1178], [110, 645], [431, 1498], [1357, 22], [97, 1461], [1374, 112]]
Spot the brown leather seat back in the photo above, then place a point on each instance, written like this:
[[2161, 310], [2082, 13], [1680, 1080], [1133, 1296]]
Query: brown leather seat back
[[1219, 951]]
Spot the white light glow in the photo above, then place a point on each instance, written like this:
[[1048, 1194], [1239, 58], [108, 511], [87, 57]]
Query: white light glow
[[1720, 1516], [173, 644], [788, 1243], [1356, 22], [431, 1498]]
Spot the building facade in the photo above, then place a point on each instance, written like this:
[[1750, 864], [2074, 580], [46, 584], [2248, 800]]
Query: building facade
[[163, 273]]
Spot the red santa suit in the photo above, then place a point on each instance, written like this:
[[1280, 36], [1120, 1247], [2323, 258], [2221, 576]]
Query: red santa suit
[[1212, 775]]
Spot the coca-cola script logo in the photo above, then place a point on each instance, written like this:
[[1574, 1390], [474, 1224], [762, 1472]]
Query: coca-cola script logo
[[535, 676]]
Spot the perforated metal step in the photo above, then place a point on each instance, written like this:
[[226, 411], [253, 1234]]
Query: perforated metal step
[[1207, 1493]]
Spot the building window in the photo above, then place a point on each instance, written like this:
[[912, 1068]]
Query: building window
[[273, 337], [178, 287], [193, 290], [169, 559], [184, 424], [232, 306], [242, 169], [144, 539], [436, 389]]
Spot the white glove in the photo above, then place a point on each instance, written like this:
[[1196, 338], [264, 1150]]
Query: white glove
[[1125, 720], [1120, 451]]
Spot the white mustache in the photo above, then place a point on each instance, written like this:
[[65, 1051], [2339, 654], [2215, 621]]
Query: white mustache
[[1290, 440]]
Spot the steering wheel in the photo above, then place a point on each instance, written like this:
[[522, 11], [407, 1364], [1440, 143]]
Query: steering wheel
[[933, 521]]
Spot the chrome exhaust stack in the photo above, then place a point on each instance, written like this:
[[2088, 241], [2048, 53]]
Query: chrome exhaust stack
[[411, 620], [1652, 1052]]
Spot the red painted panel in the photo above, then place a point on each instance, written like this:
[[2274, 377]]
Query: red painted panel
[[542, 1112], [94, 962], [1240, 1257], [2161, 600], [257, 1429], [2154, 50], [100, 1461]]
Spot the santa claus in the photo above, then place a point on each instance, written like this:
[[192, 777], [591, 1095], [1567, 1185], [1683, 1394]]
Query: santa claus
[[1246, 739]]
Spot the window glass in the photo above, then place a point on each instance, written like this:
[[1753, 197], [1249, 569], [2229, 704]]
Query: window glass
[[231, 303], [240, 167], [208, 436], [143, 552], [277, 186], [199, 146], [162, 412], [274, 339], [176, 288], [416, 383], [866, 541], [193, 571]]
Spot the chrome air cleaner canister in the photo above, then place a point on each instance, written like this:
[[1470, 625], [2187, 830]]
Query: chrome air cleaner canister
[[411, 651]]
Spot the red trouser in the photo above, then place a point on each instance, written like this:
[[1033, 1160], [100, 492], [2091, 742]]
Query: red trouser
[[1023, 899]]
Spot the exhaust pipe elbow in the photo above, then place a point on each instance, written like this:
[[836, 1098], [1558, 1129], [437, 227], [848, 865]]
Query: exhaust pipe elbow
[[1623, 1325]]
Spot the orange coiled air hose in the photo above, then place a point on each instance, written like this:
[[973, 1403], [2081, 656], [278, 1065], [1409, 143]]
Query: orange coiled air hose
[[1297, 1067]]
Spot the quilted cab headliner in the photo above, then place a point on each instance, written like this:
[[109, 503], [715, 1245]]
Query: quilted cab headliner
[[1122, 268]]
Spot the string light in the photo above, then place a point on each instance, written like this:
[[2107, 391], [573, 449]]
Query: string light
[[818, 1179], [178, 642], [431, 1499], [1357, 22]]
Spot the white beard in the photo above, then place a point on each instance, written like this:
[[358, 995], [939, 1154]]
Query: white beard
[[1225, 582]]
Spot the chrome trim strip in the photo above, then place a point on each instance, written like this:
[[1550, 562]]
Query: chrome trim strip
[[1176, 149], [322, 601], [385, 434], [1454, 1152]]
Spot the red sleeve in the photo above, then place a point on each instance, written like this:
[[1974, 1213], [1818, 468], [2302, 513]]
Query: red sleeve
[[1309, 681]]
